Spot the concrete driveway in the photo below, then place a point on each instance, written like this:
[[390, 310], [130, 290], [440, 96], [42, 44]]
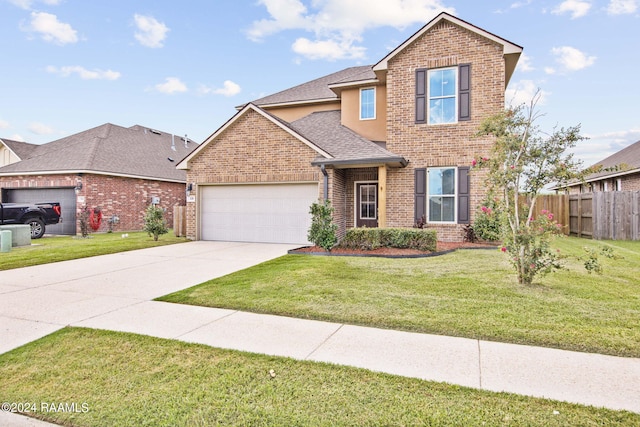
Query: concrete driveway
[[36, 301]]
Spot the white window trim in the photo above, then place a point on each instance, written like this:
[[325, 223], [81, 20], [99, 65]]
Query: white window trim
[[455, 196], [456, 96], [618, 184], [356, 200], [374, 104]]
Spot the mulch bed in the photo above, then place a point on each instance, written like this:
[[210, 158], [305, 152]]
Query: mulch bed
[[441, 248]]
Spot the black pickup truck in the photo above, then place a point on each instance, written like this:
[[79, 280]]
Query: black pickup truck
[[37, 215]]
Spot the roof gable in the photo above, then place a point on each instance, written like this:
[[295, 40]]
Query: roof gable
[[508, 47], [184, 163]]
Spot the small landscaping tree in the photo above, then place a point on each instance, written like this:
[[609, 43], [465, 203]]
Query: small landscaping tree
[[154, 222], [523, 161], [322, 232]]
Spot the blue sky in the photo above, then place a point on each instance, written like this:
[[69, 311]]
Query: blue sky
[[182, 67]]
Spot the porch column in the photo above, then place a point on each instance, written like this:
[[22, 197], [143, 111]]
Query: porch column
[[382, 196]]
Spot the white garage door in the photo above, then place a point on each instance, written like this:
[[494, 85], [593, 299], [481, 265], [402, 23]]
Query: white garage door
[[274, 213]]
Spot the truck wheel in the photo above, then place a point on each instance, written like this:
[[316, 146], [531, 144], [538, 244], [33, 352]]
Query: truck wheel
[[37, 227]]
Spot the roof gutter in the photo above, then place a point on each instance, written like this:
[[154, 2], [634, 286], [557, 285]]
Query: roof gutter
[[396, 161]]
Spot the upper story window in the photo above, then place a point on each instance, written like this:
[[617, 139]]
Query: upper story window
[[368, 103], [443, 95], [442, 90]]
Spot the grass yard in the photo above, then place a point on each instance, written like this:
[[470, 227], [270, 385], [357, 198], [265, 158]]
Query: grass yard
[[62, 248], [468, 293], [132, 380]]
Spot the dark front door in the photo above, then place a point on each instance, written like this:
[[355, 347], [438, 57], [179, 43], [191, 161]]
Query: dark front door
[[367, 205]]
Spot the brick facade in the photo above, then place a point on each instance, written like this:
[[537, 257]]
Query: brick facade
[[253, 149], [125, 197], [424, 145]]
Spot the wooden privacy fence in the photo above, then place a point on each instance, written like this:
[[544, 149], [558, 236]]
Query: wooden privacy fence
[[180, 221], [557, 204], [611, 215]]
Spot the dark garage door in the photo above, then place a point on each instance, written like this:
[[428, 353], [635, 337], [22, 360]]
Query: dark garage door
[[65, 196]]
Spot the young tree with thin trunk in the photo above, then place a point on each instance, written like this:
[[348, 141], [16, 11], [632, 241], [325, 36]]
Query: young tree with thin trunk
[[523, 161]]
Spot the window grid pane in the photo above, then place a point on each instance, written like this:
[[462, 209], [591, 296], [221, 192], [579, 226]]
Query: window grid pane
[[442, 194], [368, 201], [442, 96]]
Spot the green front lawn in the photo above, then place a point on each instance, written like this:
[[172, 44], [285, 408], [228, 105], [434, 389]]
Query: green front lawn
[[117, 379], [62, 248], [468, 293]]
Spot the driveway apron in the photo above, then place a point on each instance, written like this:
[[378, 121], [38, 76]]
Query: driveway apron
[[36, 301]]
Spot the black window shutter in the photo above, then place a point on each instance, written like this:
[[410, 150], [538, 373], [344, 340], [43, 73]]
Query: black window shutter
[[464, 210], [420, 194], [421, 95], [464, 92]]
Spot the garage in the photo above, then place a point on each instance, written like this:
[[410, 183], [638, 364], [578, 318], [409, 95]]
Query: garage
[[270, 213], [65, 196]]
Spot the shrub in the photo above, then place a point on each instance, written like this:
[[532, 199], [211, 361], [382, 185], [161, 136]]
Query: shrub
[[154, 222], [488, 222], [402, 238], [322, 232]]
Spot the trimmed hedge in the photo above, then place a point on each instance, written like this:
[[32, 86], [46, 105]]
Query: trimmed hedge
[[403, 238]]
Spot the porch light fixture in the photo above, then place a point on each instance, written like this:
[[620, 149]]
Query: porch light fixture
[[78, 187]]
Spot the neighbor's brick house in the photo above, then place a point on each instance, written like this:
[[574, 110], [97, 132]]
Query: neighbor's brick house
[[119, 170], [388, 144], [619, 172]]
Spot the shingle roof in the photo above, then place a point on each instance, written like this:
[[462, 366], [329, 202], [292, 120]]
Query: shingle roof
[[318, 89], [109, 149], [21, 149], [626, 159], [325, 130]]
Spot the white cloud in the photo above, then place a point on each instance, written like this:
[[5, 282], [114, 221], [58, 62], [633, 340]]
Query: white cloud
[[83, 73], [171, 85], [228, 89], [4, 124], [26, 4], [151, 33], [338, 25], [571, 59], [522, 92], [41, 129], [622, 7], [328, 49], [600, 146], [524, 63], [50, 29], [576, 8]]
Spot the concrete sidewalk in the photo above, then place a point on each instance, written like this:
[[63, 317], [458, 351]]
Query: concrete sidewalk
[[115, 291]]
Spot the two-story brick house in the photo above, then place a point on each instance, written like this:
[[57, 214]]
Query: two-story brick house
[[388, 144]]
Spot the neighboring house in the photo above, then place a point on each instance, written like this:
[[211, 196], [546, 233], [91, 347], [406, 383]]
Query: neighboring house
[[119, 170], [388, 144], [619, 172]]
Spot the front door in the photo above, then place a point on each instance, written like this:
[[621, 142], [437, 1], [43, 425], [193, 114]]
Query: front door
[[367, 205]]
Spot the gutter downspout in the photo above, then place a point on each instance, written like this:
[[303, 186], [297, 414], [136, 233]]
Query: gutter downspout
[[326, 182]]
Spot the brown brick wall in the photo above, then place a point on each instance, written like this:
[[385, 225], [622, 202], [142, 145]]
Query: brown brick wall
[[427, 145], [252, 149], [126, 197]]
